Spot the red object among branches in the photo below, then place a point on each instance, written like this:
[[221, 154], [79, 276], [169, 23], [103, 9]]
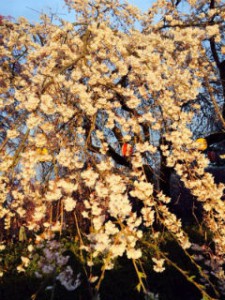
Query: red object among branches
[[127, 150]]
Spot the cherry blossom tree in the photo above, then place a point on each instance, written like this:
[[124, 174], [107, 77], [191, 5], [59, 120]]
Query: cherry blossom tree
[[199, 14], [87, 109]]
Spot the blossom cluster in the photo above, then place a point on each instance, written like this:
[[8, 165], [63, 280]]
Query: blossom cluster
[[52, 263]]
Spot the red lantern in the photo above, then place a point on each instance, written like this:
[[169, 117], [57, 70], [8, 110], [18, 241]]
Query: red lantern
[[212, 156], [127, 150]]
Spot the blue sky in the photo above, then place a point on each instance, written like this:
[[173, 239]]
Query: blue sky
[[30, 8]]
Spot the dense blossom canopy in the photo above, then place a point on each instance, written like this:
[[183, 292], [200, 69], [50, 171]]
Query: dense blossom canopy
[[74, 93]]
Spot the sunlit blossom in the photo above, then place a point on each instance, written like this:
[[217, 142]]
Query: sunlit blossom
[[158, 264], [69, 204]]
